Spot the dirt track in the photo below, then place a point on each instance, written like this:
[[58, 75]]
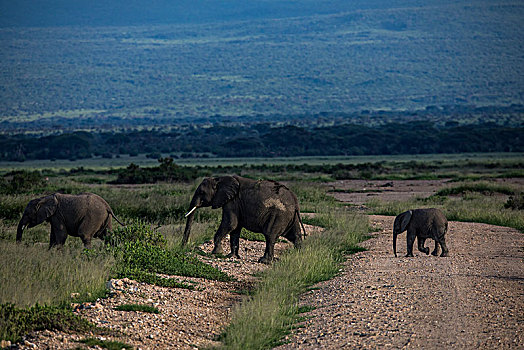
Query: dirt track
[[472, 299]]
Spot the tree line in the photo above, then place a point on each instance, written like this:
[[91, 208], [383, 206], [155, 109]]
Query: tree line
[[266, 140]]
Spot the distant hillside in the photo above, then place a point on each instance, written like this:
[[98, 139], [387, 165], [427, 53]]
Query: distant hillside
[[95, 62]]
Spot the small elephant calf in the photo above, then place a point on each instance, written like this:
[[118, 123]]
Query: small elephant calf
[[421, 223]]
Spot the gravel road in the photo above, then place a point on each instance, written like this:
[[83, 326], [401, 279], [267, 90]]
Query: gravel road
[[472, 299]]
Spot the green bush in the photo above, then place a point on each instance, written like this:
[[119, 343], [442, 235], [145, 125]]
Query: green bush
[[21, 181], [515, 202], [139, 249], [15, 322]]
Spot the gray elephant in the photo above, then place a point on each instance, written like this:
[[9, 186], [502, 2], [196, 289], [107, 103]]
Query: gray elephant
[[262, 206], [86, 215], [421, 223]]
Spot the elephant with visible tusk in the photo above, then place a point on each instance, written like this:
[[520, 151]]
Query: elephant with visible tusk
[[262, 206], [423, 224], [86, 215]]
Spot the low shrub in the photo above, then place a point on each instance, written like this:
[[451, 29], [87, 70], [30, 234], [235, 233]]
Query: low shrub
[[15, 322], [140, 250]]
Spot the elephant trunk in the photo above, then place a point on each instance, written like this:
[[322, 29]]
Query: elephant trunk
[[195, 203], [395, 243], [21, 227]]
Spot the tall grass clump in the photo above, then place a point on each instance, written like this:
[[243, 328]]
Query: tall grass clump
[[32, 275], [269, 314]]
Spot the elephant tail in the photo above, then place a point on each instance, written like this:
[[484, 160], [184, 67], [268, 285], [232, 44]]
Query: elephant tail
[[114, 216], [297, 213]]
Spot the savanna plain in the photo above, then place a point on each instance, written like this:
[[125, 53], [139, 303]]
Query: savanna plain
[[342, 289]]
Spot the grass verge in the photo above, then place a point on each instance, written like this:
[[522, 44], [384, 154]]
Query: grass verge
[[271, 311]]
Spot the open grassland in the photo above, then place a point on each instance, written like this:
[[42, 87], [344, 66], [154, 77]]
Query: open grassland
[[149, 246]]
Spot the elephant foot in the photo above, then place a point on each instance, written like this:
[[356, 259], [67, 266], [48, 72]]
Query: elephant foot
[[217, 251], [409, 255], [444, 254], [434, 253], [233, 255], [426, 250], [265, 260]]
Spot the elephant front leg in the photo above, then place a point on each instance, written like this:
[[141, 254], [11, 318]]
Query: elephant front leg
[[223, 230], [234, 242], [421, 248], [57, 238]]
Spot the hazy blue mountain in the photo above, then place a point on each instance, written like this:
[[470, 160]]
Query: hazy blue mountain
[[181, 60]]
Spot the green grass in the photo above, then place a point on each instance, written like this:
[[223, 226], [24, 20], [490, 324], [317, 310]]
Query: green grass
[[33, 274], [138, 308], [15, 322], [142, 251], [273, 309]]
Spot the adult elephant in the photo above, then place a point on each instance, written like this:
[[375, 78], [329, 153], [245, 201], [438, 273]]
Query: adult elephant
[[262, 206], [86, 215], [423, 224]]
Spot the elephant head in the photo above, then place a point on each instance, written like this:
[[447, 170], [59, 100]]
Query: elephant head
[[37, 211], [400, 225], [214, 192]]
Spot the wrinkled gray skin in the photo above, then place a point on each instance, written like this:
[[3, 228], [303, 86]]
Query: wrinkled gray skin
[[86, 215], [421, 223], [265, 207]]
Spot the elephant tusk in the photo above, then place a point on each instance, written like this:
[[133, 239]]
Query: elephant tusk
[[189, 213]]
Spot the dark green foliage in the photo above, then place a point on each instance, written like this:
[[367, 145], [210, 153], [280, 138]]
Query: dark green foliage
[[141, 252], [167, 171], [138, 307], [20, 181], [252, 236], [515, 202], [15, 322], [420, 137], [105, 344]]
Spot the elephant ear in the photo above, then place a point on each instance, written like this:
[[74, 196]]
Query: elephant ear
[[405, 219], [46, 207], [226, 188]]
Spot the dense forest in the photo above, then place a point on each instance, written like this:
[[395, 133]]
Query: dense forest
[[262, 139]]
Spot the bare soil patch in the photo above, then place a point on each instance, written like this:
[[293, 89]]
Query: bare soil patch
[[472, 299], [358, 192]]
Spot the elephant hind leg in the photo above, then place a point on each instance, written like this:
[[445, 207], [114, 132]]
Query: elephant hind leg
[[294, 235], [445, 251], [435, 251]]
